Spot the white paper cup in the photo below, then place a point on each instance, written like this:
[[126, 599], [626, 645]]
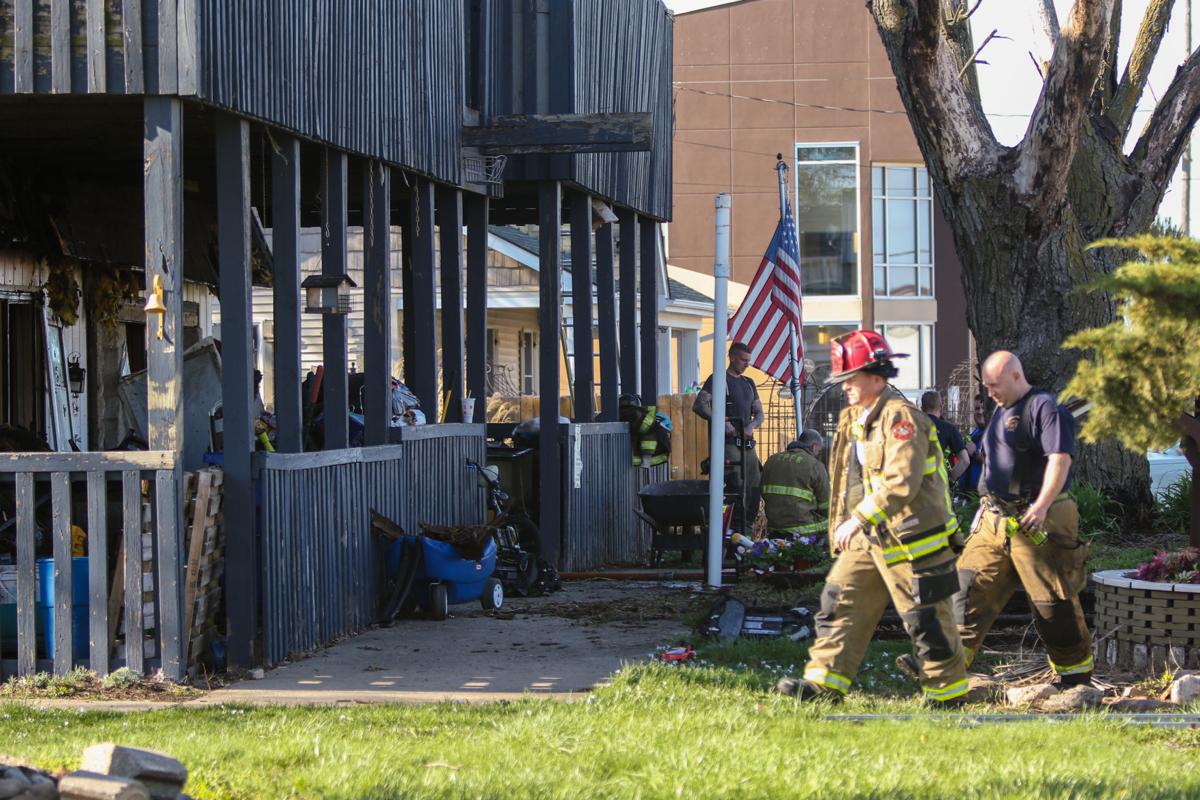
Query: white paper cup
[[468, 409]]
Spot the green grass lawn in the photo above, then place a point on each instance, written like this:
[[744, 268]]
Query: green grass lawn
[[710, 730]]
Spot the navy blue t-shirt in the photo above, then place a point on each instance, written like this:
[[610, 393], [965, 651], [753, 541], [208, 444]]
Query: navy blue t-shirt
[[1053, 431]]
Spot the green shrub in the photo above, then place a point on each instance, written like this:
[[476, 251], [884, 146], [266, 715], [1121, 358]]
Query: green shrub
[[1099, 514], [122, 678], [1173, 506]]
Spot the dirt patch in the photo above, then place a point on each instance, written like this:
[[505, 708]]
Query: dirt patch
[[80, 684], [620, 604]]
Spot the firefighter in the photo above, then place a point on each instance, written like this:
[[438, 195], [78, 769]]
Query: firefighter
[[743, 414], [651, 430], [795, 489], [1027, 528], [889, 513]]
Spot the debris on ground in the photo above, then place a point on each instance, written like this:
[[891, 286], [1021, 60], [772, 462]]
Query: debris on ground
[[107, 772], [83, 684], [1077, 698]]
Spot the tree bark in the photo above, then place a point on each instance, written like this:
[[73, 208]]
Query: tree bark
[[1023, 217]]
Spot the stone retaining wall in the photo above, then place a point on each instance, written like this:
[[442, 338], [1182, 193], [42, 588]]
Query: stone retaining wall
[[1144, 625]]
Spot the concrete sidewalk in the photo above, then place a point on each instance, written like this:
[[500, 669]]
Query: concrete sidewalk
[[560, 646]]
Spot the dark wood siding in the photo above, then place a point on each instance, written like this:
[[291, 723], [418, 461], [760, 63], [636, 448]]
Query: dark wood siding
[[622, 58], [383, 80], [589, 56]]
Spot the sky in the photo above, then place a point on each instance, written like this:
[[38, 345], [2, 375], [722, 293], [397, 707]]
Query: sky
[[1010, 83]]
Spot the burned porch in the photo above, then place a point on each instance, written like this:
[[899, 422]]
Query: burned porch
[[186, 145]]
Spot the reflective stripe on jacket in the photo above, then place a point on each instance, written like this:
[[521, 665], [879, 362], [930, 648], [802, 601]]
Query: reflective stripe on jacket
[[795, 491], [901, 489]]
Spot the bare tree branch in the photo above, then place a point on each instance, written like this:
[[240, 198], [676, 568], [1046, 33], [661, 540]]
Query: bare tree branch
[[1049, 20], [1137, 71], [1045, 154], [975, 56], [1036, 65], [951, 128], [1158, 150]]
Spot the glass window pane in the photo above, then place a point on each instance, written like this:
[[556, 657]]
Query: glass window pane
[[877, 185], [900, 181], [877, 223], [902, 281], [927, 355], [816, 346], [906, 339], [924, 233], [922, 182], [925, 281], [827, 222], [825, 153], [901, 232], [880, 281]]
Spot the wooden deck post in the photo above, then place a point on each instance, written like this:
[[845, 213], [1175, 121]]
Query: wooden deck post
[[476, 207], [335, 389], [549, 323], [421, 306], [648, 294], [285, 246], [162, 151], [607, 323], [450, 222], [627, 286], [581, 304], [377, 294], [237, 379]]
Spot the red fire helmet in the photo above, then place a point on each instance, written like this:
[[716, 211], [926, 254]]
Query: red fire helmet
[[858, 351]]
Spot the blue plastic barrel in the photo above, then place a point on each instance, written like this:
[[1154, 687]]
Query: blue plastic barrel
[[44, 605]]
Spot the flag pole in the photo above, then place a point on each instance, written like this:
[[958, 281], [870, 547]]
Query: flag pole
[[781, 168], [716, 462]]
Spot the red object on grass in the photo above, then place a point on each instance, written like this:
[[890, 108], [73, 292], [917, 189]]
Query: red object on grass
[[684, 653]]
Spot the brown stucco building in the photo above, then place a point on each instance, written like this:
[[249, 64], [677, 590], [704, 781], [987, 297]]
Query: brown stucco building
[[810, 79]]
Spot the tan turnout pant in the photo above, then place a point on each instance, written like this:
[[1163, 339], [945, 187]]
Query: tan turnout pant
[[855, 596], [1053, 573]]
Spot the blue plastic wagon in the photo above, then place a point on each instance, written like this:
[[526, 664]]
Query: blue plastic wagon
[[441, 577]]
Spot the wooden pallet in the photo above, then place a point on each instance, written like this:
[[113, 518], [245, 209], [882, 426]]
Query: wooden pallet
[[205, 545]]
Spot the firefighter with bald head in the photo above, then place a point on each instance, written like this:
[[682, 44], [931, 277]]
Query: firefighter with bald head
[[891, 531]]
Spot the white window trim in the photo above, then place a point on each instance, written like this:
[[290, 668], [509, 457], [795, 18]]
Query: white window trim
[[883, 327], [932, 238], [857, 163]]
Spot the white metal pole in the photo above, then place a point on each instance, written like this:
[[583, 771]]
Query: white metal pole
[[716, 450], [781, 168]]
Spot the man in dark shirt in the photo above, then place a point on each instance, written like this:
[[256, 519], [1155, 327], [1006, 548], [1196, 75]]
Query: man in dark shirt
[[1027, 528], [744, 413], [970, 479], [953, 446]]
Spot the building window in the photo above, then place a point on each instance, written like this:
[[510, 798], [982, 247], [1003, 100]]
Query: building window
[[916, 371], [902, 231], [528, 357], [817, 337], [827, 217]]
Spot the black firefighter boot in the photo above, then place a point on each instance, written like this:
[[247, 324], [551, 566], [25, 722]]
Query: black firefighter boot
[[806, 690], [909, 666]]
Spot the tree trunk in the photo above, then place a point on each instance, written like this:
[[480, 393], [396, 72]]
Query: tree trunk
[[1022, 217], [1023, 281]]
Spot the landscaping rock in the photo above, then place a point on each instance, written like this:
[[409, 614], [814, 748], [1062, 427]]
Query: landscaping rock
[[1139, 705], [1077, 698], [10, 787], [162, 776], [1027, 695], [983, 689], [1185, 689], [1141, 657], [38, 791], [84, 785], [16, 774]]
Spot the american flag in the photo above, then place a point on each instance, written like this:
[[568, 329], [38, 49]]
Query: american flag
[[772, 307]]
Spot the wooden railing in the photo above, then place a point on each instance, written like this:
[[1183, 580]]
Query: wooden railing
[[320, 566], [48, 496]]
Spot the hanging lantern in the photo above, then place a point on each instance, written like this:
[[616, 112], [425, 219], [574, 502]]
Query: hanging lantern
[[76, 374]]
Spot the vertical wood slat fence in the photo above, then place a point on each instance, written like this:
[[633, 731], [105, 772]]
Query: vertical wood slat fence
[[600, 493], [47, 494], [321, 567]]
